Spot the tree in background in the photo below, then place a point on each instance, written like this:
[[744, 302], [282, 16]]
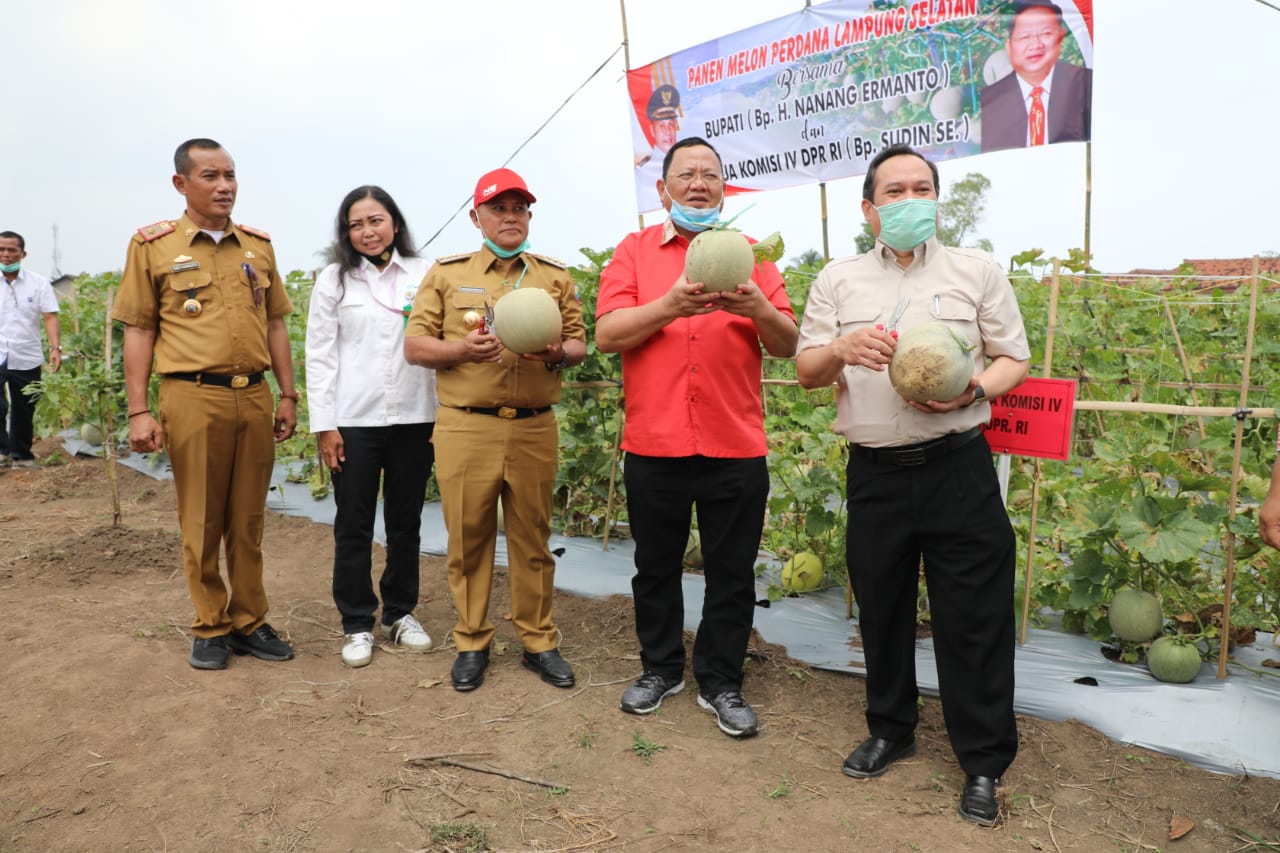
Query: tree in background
[[959, 213]]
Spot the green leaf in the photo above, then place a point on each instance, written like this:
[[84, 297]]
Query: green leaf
[[770, 249]]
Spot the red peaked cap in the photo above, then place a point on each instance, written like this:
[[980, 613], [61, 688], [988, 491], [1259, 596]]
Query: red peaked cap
[[495, 183]]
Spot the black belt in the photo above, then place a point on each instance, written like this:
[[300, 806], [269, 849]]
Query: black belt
[[244, 380], [506, 412], [909, 455]]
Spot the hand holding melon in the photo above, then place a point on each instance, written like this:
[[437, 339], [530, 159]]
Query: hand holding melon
[[527, 320], [931, 362]]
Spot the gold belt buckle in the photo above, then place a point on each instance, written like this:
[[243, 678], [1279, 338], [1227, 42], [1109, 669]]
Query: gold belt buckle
[[239, 381], [506, 412]]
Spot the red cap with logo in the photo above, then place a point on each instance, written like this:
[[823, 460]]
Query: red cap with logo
[[495, 183]]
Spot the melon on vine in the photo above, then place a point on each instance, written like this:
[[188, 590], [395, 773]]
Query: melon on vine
[[527, 320], [91, 434], [1173, 660], [802, 573], [931, 362], [1135, 615]]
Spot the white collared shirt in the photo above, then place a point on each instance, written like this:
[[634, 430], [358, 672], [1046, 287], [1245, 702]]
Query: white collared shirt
[[1047, 85], [23, 304], [355, 367]]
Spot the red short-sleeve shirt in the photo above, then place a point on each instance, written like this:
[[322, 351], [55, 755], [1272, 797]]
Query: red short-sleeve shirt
[[693, 388]]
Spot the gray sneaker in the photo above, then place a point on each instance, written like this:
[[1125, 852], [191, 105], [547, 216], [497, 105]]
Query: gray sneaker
[[733, 714], [646, 695], [4, 460], [30, 463]]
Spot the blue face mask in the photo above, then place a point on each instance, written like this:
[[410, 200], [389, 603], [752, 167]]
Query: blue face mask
[[13, 267], [506, 254], [908, 223], [693, 218]]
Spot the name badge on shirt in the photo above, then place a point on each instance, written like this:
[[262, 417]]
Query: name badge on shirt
[[189, 265], [472, 290]]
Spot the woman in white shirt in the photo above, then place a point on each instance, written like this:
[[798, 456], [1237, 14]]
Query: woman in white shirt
[[372, 414]]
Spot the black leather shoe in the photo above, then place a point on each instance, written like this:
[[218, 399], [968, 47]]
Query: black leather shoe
[[468, 670], [263, 643], [875, 754], [551, 666], [978, 800]]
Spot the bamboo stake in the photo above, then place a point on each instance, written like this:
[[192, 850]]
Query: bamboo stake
[[1088, 198], [1055, 288], [1228, 576], [1186, 365], [822, 196], [108, 418], [1172, 409], [613, 476], [626, 63]]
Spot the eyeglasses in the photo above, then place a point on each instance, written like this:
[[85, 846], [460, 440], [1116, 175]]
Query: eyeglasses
[[1045, 36], [711, 179]]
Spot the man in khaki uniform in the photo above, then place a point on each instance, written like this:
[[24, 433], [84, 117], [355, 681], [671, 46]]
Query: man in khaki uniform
[[201, 296], [496, 435]]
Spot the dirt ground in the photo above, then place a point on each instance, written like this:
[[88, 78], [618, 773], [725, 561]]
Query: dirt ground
[[112, 742]]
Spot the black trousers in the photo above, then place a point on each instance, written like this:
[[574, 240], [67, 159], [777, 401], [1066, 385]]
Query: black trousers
[[730, 496], [16, 433], [948, 512], [400, 457]]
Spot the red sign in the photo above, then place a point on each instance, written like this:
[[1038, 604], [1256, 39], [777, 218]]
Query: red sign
[[1034, 419]]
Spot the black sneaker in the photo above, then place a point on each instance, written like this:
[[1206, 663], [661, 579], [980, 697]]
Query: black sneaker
[[733, 715], [209, 653], [646, 695], [263, 643]]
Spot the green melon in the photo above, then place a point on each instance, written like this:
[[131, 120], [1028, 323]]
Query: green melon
[[1173, 660], [527, 320], [1135, 615], [802, 573], [719, 260], [931, 362], [91, 434]]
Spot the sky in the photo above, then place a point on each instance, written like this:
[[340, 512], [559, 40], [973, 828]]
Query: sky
[[314, 97]]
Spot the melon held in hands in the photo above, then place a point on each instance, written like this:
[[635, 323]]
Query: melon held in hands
[[527, 320], [719, 260], [931, 362]]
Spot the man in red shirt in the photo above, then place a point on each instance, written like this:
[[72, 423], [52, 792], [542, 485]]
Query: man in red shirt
[[694, 436]]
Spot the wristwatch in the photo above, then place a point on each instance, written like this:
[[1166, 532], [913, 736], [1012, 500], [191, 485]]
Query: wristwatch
[[559, 365], [979, 394]]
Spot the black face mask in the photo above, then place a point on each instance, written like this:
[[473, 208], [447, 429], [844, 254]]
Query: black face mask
[[380, 259]]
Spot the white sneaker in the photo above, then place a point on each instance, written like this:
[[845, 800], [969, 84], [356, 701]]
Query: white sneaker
[[359, 649], [407, 632]]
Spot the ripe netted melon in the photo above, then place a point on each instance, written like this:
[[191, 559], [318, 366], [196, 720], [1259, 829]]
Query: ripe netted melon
[[931, 362], [1135, 615], [802, 573], [1174, 661], [527, 320], [719, 260], [91, 434]]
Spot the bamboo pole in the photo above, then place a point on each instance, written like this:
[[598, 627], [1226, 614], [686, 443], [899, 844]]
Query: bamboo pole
[[108, 418], [1088, 198], [1229, 575], [826, 243], [1055, 288], [626, 62], [1172, 409], [1186, 365], [613, 476]]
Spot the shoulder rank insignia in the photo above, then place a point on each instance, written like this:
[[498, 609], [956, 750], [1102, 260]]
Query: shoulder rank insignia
[[254, 231], [448, 259], [555, 262], [157, 229]]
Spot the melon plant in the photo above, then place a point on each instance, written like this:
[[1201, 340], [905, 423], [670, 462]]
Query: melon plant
[[1173, 659], [719, 260], [91, 434], [1135, 615], [931, 362], [527, 320], [802, 573], [693, 551]]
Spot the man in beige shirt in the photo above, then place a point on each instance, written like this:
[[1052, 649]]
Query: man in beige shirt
[[921, 484]]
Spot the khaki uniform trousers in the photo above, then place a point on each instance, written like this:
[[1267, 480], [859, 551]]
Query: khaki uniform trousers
[[221, 446], [479, 460]]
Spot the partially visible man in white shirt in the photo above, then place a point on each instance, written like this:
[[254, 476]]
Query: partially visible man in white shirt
[[25, 298]]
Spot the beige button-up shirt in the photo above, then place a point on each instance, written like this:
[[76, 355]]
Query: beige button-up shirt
[[963, 288]]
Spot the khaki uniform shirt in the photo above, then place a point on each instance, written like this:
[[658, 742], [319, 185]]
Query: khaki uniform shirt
[[963, 288], [468, 282], [200, 299]]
